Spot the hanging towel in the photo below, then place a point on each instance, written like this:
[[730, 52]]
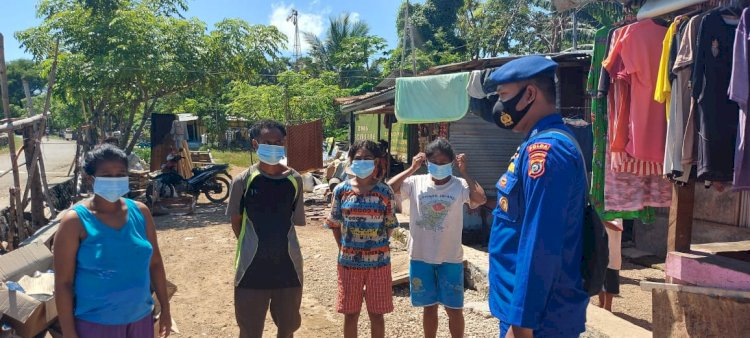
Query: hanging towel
[[475, 85], [432, 99]]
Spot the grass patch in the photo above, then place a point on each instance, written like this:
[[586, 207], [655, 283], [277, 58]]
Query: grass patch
[[237, 158], [143, 153], [5, 149]]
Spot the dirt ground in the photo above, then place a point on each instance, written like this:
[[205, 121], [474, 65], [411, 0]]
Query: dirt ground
[[198, 251], [634, 304]]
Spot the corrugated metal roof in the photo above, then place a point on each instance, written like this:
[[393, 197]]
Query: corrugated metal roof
[[186, 117], [388, 109], [378, 98], [487, 147], [370, 100], [561, 58]]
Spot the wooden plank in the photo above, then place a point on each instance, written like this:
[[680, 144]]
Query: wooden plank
[[687, 314], [34, 178], [36, 158], [18, 124], [707, 270], [717, 292], [399, 267], [718, 247], [12, 228], [681, 217]]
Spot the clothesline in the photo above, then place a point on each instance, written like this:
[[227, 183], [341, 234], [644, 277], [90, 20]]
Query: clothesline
[[651, 120]]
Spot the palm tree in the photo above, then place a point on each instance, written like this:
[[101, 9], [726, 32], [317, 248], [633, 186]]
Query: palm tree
[[340, 28]]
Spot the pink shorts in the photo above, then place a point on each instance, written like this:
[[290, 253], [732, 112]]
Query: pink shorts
[[372, 284]]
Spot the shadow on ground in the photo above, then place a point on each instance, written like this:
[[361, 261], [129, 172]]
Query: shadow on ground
[[205, 215]]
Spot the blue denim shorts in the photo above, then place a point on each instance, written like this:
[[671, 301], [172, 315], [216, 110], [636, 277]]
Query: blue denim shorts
[[433, 284]]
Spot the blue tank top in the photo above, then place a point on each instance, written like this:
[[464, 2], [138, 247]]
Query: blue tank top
[[112, 282]]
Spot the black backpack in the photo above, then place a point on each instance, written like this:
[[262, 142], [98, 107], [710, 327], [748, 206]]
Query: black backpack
[[595, 241]]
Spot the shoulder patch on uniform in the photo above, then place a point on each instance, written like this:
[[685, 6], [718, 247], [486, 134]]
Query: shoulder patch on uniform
[[503, 181], [503, 204], [536, 166], [539, 146]]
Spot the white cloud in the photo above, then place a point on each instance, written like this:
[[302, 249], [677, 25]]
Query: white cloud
[[308, 22], [354, 16]]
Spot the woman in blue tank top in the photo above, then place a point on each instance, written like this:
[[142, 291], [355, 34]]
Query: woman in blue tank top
[[107, 257]]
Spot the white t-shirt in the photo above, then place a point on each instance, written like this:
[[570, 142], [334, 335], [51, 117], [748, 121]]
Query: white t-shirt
[[437, 218]]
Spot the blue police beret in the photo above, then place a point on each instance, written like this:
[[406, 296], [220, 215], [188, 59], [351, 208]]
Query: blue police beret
[[520, 69]]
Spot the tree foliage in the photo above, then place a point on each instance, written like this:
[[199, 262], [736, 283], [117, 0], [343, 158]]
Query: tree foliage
[[349, 50], [497, 27], [296, 97], [120, 58]]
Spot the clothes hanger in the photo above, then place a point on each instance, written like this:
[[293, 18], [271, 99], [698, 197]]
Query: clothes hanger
[[731, 8]]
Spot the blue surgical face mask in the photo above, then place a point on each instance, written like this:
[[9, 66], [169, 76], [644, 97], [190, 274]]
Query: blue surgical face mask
[[440, 172], [270, 154], [363, 168], [111, 188]]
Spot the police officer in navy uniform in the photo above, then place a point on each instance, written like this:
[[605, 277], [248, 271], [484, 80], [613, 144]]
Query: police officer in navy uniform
[[535, 243]]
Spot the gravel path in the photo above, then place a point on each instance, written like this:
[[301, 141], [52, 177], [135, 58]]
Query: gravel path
[[198, 252], [634, 304]]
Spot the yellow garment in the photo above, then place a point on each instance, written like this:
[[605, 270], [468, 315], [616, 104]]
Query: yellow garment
[[663, 92]]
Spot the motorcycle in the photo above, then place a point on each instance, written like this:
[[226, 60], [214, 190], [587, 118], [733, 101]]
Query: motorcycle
[[213, 181]]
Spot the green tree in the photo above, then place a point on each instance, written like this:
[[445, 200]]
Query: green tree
[[496, 27], [20, 70], [120, 59], [349, 50], [296, 97], [434, 33]]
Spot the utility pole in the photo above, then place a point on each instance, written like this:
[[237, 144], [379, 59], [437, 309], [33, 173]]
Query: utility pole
[[575, 30], [403, 48], [297, 48], [411, 38]]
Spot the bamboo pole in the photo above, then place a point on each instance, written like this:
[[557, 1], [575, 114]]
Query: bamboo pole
[[29, 101], [37, 156], [12, 145], [43, 127], [13, 125], [33, 181]]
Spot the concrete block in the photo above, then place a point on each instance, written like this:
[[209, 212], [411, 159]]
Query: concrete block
[[602, 323], [652, 238], [708, 270]]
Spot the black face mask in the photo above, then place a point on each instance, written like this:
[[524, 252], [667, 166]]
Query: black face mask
[[505, 115]]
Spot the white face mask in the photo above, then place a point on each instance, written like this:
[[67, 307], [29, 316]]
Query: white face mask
[[270, 154], [111, 188]]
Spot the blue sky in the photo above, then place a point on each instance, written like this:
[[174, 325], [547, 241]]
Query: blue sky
[[17, 15]]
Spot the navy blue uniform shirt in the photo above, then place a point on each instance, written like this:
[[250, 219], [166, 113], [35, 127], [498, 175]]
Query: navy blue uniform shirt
[[536, 242]]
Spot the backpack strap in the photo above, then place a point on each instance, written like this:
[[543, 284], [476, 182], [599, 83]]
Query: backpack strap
[[572, 140], [295, 184]]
